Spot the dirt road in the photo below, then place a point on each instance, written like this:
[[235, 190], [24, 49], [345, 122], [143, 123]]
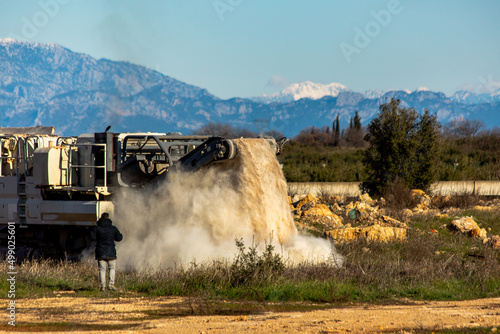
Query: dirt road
[[184, 315]]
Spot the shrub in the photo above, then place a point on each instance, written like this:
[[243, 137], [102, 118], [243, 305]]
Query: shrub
[[250, 268], [398, 196], [403, 145]]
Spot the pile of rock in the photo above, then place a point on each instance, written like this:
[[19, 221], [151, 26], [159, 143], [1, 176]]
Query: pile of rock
[[468, 226], [369, 233], [424, 201], [311, 214], [335, 221], [494, 242], [363, 218]]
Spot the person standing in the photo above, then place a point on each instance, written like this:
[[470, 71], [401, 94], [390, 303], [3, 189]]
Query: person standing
[[105, 235]]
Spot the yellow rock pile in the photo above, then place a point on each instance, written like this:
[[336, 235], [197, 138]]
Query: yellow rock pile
[[494, 242], [323, 211], [370, 233], [374, 226], [309, 209], [424, 201], [468, 226], [310, 198], [364, 219]]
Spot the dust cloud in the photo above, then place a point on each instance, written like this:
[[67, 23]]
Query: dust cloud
[[196, 217]]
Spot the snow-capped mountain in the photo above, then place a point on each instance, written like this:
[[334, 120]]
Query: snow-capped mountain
[[307, 89], [467, 97], [46, 84], [372, 93], [315, 91]]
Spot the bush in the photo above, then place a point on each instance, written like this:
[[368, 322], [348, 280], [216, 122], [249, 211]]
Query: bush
[[251, 268], [398, 196], [404, 146]]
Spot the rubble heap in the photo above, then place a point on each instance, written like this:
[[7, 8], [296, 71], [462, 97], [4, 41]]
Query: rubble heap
[[468, 226], [336, 221], [364, 218]]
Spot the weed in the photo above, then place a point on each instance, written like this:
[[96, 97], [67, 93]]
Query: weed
[[462, 200], [251, 268], [398, 196]]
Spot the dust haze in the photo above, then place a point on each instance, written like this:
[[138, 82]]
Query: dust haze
[[196, 217]]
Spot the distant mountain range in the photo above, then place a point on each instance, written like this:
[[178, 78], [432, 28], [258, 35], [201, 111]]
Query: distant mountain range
[[46, 84], [303, 90], [316, 91]]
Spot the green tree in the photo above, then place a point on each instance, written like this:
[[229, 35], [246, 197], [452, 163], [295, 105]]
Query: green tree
[[337, 126], [357, 121], [336, 131], [403, 147]]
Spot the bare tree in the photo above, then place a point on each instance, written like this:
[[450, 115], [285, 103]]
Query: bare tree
[[462, 128], [354, 137], [216, 129], [315, 137], [224, 130], [275, 134]]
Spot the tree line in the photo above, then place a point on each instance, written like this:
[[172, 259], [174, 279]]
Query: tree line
[[229, 131], [326, 137], [398, 146]]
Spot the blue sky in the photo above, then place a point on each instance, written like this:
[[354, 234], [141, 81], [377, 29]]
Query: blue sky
[[253, 47]]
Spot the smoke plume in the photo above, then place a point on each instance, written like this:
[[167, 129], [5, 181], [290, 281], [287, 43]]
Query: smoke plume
[[197, 216]]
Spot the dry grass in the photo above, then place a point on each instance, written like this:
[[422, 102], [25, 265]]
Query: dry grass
[[462, 200], [426, 266], [438, 265], [398, 197]]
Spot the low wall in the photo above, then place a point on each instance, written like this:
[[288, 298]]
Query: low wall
[[483, 188], [330, 188]]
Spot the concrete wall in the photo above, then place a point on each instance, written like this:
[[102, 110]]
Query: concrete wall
[[483, 188], [330, 188]]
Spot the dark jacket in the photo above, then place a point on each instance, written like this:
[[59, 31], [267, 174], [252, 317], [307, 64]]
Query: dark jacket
[[105, 235]]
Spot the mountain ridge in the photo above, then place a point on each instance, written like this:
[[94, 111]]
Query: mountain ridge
[[47, 84], [311, 90]]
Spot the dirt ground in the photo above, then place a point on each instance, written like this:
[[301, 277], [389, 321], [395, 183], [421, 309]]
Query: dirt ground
[[185, 315]]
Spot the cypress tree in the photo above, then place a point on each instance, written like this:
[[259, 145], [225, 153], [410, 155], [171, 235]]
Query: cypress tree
[[357, 121]]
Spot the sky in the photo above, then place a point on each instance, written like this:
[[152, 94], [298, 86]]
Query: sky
[[245, 48]]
